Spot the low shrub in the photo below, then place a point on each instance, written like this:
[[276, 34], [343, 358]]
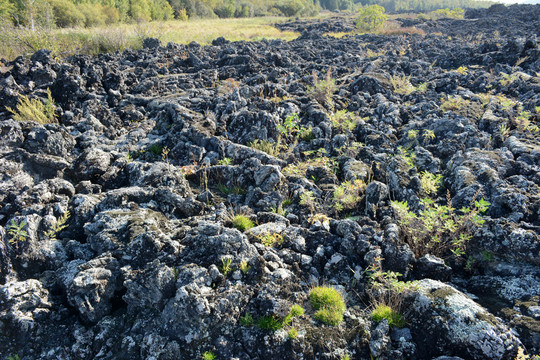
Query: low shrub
[[269, 147], [439, 230], [67, 14], [225, 161], [291, 128], [308, 200], [430, 182], [16, 232], [387, 293], [61, 224], [182, 15], [270, 239], [411, 30], [402, 84], [35, 110], [321, 160], [463, 107], [457, 13], [344, 120]]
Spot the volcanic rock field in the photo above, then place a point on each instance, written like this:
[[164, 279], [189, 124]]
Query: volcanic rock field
[[399, 170]]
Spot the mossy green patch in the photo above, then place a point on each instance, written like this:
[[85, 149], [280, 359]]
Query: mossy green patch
[[442, 293]]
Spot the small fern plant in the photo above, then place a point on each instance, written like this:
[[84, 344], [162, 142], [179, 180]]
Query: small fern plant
[[16, 232], [35, 110], [60, 225]]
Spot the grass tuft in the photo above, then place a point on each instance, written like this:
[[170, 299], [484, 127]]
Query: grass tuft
[[385, 312], [247, 320], [297, 310], [329, 304], [271, 323], [242, 223], [292, 334]]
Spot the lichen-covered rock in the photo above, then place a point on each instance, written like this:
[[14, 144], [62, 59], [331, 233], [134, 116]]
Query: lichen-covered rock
[[431, 267], [116, 230], [380, 341], [45, 197], [11, 133], [210, 243], [187, 316], [92, 164], [91, 286], [49, 140], [158, 175], [376, 192], [525, 283], [267, 177], [23, 305], [356, 170], [150, 288], [446, 321]]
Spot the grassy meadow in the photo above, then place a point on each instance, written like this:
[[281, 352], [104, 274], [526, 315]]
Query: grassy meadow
[[66, 42]]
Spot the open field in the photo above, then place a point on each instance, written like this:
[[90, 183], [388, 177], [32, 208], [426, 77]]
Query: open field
[[95, 40], [91, 41]]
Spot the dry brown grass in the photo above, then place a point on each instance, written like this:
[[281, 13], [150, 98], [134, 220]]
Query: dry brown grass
[[402, 31]]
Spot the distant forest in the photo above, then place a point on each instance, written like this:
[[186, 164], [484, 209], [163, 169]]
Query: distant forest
[[87, 13], [426, 5]]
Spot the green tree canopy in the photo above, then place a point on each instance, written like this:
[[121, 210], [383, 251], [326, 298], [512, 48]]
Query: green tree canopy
[[370, 18], [66, 13], [7, 8], [139, 10]]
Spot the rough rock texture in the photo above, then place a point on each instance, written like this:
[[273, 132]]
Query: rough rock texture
[[117, 236], [457, 325]]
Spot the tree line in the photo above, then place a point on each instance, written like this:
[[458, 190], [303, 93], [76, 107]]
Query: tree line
[[425, 5], [87, 13]]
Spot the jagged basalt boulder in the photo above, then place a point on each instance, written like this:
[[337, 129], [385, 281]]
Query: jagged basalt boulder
[[457, 325], [23, 305], [150, 289], [90, 286]]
